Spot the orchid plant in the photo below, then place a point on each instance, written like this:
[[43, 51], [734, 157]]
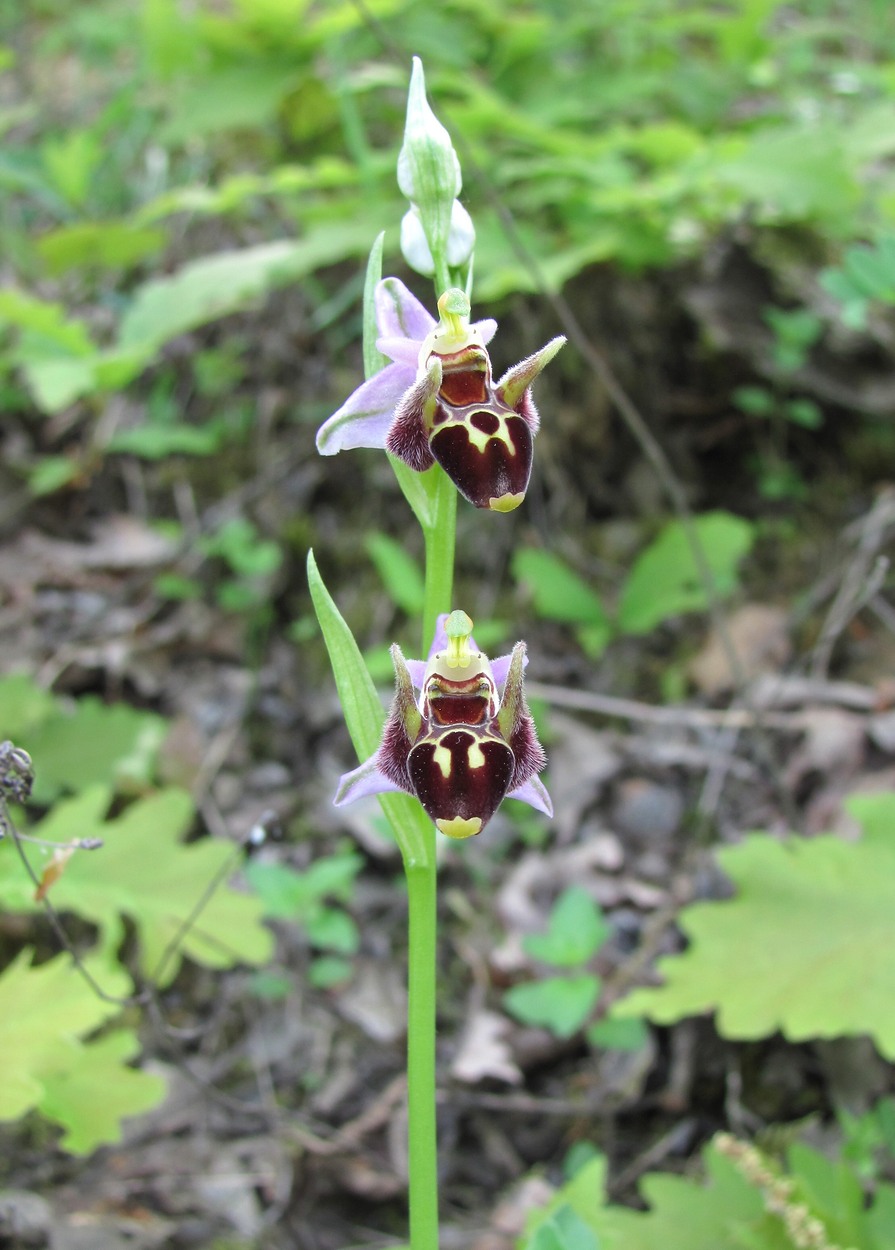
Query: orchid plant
[[459, 736]]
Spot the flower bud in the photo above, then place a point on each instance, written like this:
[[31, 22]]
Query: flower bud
[[427, 163], [415, 247], [428, 169]]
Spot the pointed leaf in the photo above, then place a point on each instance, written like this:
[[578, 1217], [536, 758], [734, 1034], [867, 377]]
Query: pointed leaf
[[666, 579], [576, 931], [560, 1004]]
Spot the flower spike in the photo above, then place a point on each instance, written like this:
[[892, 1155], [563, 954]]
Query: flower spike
[[457, 747]]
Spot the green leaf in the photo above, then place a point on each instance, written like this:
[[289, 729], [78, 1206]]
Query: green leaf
[[99, 245], [373, 357], [725, 1210], [289, 895], [158, 442], [45, 1012], [560, 1004], [792, 173], [329, 971], [333, 930], [401, 574], [51, 473], [755, 401], [91, 1098], [213, 286], [297, 896], [95, 743], [806, 946], [576, 931], [559, 594], [611, 1034], [56, 383], [724, 1213], [246, 95], [564, 1229], [70, 162], [665, 580], [23, 705], [45, 323], [364, 713], [272, 986], [144, 871]]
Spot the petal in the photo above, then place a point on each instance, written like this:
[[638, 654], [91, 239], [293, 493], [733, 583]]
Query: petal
[[399, 313], [517, 380], [512, 703], [366, 779], [534, 793], [364, 418], [404, 351], [501, 667], [407, 438], [487, 329], [401, 728], [417, 670]]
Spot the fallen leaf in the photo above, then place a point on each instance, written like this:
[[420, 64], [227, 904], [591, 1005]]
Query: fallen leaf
[[53, 871], [757, 632], [484, 1051]]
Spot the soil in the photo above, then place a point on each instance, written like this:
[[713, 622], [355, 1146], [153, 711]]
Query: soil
[[284, 1126]]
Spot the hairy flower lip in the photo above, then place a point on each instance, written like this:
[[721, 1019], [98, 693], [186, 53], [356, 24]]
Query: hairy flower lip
[[450, 766]]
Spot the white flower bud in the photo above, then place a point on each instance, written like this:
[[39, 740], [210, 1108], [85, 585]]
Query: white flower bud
[[415, 248]]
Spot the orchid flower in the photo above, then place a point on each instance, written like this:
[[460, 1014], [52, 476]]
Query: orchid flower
[[436, 401], [454, 745]]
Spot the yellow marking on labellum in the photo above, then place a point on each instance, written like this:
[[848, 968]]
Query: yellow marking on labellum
[[480, 440], [476, 756], [442, 757], [457, 827], [505, 503]]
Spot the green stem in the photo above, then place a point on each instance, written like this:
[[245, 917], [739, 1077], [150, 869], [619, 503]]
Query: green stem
[[421, 1111], [440, 535]]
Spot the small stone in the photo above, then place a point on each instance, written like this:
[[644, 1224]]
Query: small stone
[[881, 730], [25, 1220], [646, 811]]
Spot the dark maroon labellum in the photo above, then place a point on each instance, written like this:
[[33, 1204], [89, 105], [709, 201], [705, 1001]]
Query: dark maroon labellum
[[487, 454], [460, 776]]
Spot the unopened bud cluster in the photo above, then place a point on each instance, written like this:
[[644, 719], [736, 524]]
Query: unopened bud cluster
[[436, 226]]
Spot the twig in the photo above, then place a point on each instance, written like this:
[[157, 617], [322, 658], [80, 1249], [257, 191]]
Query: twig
[[633, 710], [864, 575]]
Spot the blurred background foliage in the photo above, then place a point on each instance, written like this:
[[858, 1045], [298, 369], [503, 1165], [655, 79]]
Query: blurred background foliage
[[624, 131], [189, 191]]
